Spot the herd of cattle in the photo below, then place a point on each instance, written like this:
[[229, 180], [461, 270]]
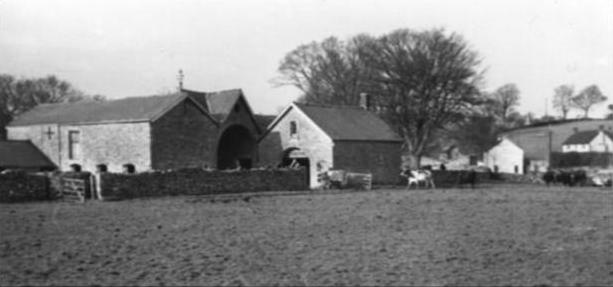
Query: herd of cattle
[[417, 178]]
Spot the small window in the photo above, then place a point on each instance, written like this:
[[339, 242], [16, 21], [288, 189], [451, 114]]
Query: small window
[[129, 168], [101, 168], [293, 128], [516, 168], [237, 108], [75, 167], [73, 144]]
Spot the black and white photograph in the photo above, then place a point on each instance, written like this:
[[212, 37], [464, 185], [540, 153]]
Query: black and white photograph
[[306, 143]]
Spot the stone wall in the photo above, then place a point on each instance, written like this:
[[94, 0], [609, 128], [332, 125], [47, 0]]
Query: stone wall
[[184, 137], [113, 144], [199, 182], [381, 159], [21, 186]]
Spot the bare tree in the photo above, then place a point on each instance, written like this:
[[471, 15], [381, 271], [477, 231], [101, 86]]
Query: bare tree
[[562, 99], [587, 98], [421, 80], [506, 98]]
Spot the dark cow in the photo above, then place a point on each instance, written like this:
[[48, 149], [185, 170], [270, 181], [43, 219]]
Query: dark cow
[[550, 177], [567, 178], [467, 177]]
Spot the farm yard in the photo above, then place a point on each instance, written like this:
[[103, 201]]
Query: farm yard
[[492, 235]]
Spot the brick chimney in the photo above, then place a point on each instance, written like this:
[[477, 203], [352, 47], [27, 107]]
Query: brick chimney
[[365, 101]]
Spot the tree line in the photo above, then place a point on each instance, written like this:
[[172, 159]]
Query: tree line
[[18, 95], [427, 84]]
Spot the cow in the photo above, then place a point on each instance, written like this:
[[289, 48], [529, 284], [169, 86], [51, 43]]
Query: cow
[[550, 177], [418, 176]]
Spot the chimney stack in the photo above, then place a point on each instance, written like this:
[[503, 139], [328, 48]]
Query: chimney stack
[[365, 101]]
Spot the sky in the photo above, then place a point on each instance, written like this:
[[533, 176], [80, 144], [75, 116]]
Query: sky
[[121, 48]]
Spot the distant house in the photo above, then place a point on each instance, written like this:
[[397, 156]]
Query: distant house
[[331, 137], [184, 129], [538, 141], [505, 156], [23, 155], [589, 141]]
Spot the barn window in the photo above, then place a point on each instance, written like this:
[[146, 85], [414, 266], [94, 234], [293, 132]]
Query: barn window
[[73, 144], [237, 108], [129, 168], [101, 167], [75, 167], [293, 128], [516, 168]]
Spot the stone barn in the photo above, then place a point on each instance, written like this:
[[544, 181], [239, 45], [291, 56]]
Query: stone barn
[[327, 137], [180, 130]]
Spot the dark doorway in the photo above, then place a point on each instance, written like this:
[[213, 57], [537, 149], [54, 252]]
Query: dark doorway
[[235, 148], [295, 158]]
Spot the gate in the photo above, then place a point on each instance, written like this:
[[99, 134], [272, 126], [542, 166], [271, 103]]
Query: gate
[[73, 189]]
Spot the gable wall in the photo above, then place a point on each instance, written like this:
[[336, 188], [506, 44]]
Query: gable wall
[[506, 156], [602, 143], [183, 137], [242, 117], [310, 139]]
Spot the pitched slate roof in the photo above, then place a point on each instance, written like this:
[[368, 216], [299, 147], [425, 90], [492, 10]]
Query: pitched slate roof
[[264, 121], [22, 154], [218, 104], [349, 123], [123, 110], [584, 137]]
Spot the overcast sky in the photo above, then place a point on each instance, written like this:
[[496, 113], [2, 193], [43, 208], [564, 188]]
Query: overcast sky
[[132, 48]]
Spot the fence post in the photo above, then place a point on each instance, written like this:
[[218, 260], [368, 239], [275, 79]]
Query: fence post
[[98, 183]]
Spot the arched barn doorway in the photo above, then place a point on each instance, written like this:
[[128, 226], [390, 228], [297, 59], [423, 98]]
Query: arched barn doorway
[[294, 157], [235, 148]]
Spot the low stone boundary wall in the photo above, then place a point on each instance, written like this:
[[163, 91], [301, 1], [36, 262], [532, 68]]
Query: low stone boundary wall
[[21, 186], [199, 182]]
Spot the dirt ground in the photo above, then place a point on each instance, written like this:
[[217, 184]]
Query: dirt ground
[[497, 235]]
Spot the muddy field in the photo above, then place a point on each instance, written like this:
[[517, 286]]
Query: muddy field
[[503, 235]]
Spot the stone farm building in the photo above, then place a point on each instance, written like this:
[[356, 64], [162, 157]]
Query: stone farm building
[[326, 137], [537, 142], [180, 130]]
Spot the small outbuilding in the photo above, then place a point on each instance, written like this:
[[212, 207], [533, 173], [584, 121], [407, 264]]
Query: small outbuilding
[[321, 138], [505, 156]]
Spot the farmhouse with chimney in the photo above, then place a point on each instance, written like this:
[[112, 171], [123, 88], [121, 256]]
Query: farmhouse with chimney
[[332, 137], [180, 130]]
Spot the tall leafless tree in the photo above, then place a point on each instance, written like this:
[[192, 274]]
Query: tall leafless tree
[[587, 98], [562, 99], [420, 80]]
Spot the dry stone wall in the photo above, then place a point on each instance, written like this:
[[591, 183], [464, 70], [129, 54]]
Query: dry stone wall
[[21, 186], [199, 182]]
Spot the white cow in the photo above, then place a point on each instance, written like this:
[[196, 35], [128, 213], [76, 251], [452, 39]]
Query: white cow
[[418, 176]]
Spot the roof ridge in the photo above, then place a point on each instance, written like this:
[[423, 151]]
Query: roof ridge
[[223, 91], [330, 106]]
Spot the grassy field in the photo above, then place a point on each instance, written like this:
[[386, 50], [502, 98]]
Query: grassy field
[[498, 235]]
